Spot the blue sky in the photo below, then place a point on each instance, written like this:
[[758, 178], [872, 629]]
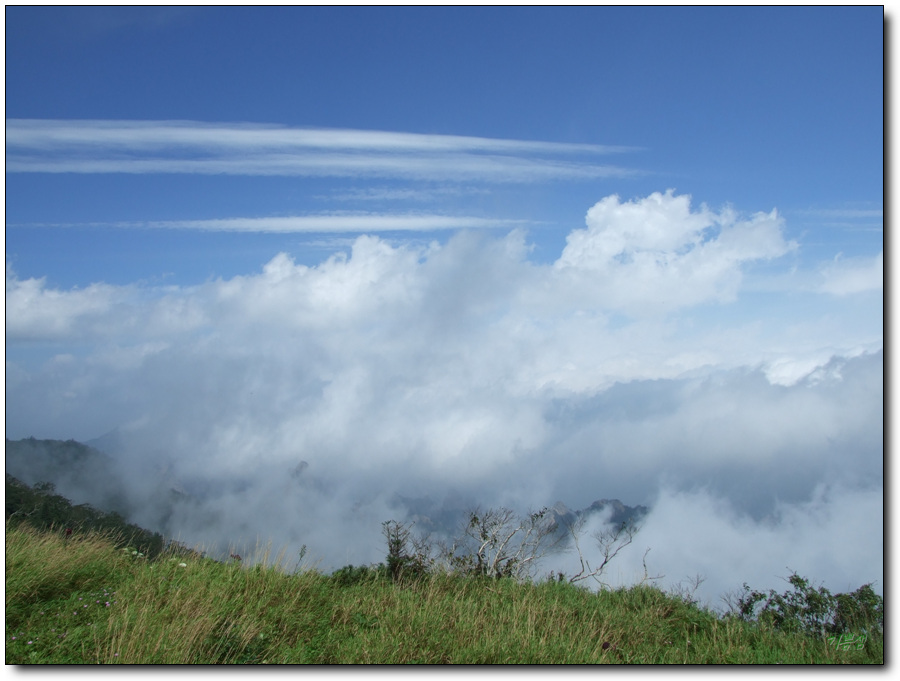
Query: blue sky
[[760, 108], [429, 232]]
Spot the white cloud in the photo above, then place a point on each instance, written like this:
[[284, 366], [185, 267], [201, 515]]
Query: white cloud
[[656, 253], [850, 213], [633, 363], [148, 135], [845, 277], [407, 194], [453, 167], [49, 146], [325, 223], [834, 537], [34, 311]]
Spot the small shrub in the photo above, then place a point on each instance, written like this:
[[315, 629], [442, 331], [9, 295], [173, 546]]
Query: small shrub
[[408, 556], [350, 574]]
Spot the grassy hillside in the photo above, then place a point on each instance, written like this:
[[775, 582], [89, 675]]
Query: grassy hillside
[[79, 599]]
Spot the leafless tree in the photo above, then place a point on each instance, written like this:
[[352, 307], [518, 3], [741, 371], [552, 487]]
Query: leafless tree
[[686, 589], [500, 543], [610, 541]]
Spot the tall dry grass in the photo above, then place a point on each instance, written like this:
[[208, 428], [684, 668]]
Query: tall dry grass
[[45, 566]]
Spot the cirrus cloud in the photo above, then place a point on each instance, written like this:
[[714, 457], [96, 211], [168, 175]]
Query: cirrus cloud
[[137, 147]]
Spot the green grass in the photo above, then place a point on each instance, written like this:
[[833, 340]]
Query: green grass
[[81, 601]]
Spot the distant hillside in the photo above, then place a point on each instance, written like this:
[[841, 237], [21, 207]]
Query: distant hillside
[[78, 472], [40, 507], [110, 443], [89, 475]]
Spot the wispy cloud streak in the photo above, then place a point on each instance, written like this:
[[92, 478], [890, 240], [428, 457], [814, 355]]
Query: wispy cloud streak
[[329, 223], [50, 146], [851, 213]]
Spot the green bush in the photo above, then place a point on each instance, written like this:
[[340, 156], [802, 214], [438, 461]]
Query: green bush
[[814, 611], [408, 557], [350, 575], [861, 611]]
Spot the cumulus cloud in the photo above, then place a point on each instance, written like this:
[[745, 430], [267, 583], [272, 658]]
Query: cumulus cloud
[[656, 251], [35, 312], [304, 403]]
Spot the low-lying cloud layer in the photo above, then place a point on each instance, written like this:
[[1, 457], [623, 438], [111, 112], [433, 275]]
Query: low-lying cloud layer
[[297, 403]]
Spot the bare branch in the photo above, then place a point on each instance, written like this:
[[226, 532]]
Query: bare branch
[[498, 543], [610, 542], [646, 578]]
